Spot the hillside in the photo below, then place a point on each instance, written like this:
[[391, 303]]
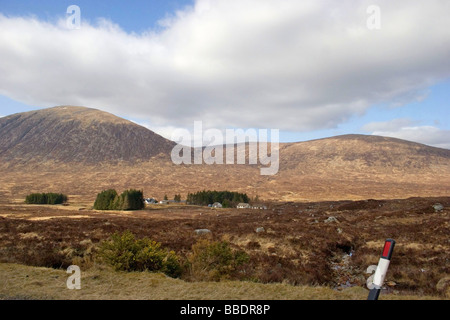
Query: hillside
[[76, 134], [364, 153], [81, 151]]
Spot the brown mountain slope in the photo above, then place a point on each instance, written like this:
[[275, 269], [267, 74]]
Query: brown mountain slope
[[365, 153], [78, 151], [76, 134]]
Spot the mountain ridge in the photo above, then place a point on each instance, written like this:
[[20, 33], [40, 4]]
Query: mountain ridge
[[82, 151]]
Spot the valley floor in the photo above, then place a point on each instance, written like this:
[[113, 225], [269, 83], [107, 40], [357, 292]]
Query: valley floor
[[305, 251]]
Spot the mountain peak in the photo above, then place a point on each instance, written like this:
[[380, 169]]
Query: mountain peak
[[76, 134]]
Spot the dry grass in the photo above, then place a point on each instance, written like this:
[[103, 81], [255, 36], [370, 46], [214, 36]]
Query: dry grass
[[298, 248], [23, 282]]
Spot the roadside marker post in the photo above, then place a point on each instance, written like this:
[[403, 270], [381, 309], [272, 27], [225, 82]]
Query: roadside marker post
[[380, 273]]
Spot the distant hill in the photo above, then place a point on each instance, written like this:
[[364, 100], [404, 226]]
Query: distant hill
[[81, 151], [356, 152], [76, 134]]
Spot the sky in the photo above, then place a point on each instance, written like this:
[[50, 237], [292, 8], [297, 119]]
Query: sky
[[311, 69]]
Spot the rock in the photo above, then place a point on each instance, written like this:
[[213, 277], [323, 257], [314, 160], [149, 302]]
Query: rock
[[438, 207], [339, 230], [443, 286], [202, 231], [260, 229], [331, 219], [391, 284]]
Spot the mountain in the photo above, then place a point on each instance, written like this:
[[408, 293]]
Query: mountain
[[76, 134], [81, 151], [367, 153]]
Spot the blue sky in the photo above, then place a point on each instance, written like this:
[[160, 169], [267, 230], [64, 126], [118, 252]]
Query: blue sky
[[133, 16], [310, 70]]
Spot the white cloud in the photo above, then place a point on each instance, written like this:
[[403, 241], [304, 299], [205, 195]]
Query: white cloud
[[428, 135], [293, 65], [164, 131], [392, 125]]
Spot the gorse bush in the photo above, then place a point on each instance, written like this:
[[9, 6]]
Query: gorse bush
[[46, 198], [214, 260], [126, 253], [128, 200]]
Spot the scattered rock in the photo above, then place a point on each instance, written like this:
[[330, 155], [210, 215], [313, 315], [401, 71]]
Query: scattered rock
[[202, 231], [331, 219], [260, 229], [391, 284], [438, 207]]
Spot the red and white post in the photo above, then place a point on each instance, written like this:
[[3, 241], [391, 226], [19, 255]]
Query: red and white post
[[380, 273]]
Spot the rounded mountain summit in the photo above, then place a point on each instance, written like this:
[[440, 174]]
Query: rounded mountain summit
[[76, 134]]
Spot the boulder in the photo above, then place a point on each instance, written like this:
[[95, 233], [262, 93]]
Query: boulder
[[438, 207], [443, 286], [331, 219], [202, 231]]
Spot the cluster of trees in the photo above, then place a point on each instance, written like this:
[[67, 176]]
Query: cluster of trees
[[46, 198], [134, 199], [128, 200], [226, 198]]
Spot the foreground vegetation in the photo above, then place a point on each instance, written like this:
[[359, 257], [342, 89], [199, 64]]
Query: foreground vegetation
[[326, 244], [25, 282]]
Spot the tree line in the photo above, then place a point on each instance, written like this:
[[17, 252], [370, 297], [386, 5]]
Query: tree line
[[46, 198], [127, 200], [134, 199], [226, 198]]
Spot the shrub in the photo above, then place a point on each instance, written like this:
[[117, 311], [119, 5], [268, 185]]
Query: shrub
[[214, 260], [46, 198], [125, 253]]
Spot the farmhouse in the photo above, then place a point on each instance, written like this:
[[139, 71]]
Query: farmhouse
[[217, 205], [150, 201]]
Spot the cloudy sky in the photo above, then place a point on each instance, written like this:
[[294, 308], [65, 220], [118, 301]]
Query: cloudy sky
[[310, 68]]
